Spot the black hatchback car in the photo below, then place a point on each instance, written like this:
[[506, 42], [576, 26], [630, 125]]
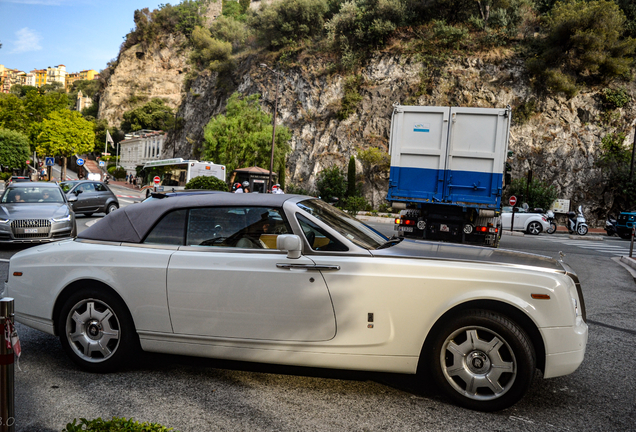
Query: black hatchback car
[[88, 197]]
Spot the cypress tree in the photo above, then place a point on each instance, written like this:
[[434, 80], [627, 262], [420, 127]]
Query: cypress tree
[[351, 177]]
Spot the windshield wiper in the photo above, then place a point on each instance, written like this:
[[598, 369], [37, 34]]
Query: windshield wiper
[[391, 242]]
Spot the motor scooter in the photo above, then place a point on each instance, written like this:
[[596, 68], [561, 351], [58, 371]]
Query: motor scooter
[[610, 225], [576, 222], [549, 215]]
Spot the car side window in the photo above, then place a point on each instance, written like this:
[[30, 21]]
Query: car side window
[[86, 187], [241, 227], [170, 230], [100, 187], [319, 239]]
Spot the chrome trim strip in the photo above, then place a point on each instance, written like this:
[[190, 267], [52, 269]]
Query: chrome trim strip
[[309, 266]]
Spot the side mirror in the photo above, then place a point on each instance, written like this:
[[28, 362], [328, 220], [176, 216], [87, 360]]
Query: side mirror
[[290, 243], [72, 198], [77, 191]]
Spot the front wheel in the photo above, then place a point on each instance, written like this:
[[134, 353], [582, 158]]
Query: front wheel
[[581, 230], [111, 208], [482, 360], [534, 228], [96, 330], [552, 229]]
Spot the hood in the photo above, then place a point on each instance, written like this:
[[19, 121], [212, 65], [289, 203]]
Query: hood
[[33, 211], [449, 251]]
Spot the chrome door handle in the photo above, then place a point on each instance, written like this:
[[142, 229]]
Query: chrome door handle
[[308, 266]]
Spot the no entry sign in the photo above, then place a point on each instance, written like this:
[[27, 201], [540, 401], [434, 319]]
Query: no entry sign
[[513, 200], [157, 180]]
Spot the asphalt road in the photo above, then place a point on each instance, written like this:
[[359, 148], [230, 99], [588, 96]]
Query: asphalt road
[[192, 394]]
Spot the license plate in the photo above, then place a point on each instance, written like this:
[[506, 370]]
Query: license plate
[[30, 230], [444, 228], [405, 229]]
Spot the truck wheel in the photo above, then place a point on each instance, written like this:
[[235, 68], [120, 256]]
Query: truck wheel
[[482, 360], [534, 228]]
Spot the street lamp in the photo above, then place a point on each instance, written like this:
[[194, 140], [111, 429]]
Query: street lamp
[[271, 160]]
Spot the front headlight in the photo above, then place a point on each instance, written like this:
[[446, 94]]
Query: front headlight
[[4, 221], [64, 219]]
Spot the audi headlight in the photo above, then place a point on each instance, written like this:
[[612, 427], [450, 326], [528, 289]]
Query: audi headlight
[[4, 221], [63, 219]]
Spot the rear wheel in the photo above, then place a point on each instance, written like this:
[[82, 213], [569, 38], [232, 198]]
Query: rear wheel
[[111, 208], [482, 360], [552, 229], [96, 330], [581, 230], [534, 228]]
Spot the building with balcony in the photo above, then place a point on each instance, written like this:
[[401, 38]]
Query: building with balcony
[[140, 147], [56, 74]]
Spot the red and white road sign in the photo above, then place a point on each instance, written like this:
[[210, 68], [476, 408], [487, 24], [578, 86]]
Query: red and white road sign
[[157, 180], [513, 200]]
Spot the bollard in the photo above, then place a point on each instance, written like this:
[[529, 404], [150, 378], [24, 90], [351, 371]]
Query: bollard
[[7, 396]]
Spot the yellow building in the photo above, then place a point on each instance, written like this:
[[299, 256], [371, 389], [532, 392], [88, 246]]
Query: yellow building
[[40, 77], [70, 79], [89, 74]]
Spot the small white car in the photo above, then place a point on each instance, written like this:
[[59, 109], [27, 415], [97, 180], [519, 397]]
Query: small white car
[[290, 279], [528, 222]]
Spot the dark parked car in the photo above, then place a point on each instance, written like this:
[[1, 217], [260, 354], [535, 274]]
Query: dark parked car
[[88, 197], [35, 213]]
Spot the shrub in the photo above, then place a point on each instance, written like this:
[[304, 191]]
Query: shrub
[[540, 194], [364, 24], [116, 424], [449, 35], [207, 183], [209, 53], [351, 97], [613, 99], [354, 204], [154, 115], [229, 30], [584, 43], [287, 22], [332, 184], [524, 111]]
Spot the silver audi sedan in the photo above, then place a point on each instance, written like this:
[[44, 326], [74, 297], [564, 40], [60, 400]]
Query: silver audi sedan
[[35, 212]]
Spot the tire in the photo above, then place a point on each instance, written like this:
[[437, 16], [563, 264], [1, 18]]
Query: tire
[[534, 228], [97, 331], [552, 229], [581, 230], [111, 208], [482, 360]]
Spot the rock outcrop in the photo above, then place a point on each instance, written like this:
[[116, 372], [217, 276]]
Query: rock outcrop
[[559, 142]]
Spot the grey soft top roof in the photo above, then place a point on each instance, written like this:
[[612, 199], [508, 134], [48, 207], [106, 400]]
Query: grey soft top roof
[[131, 223]]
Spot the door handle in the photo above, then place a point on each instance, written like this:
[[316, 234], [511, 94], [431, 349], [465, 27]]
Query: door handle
[[308, 266]]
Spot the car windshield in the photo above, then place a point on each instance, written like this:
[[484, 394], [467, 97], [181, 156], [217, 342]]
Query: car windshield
[[33, 195], [67, 186], [348, 227]]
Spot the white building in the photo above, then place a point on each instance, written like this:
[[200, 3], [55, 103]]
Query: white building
[[140, 147], [56, 74]]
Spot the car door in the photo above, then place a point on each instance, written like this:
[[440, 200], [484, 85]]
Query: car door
[[217, 288], [84, 198], [102, 194], [521, 220]]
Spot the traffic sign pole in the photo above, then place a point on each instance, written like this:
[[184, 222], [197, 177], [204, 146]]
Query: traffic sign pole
[[512, 201]]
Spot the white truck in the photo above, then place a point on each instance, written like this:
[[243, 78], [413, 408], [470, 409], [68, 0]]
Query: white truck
[[447, 169]]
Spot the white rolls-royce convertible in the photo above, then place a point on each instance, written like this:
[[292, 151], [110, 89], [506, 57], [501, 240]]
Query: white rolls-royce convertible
[[289, 279]]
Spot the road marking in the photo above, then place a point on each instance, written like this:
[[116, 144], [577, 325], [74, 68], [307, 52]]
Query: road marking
[[584, 244]]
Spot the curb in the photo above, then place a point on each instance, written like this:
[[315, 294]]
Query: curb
[[513, 233], [628, 263], [377, 219], [590, 237]]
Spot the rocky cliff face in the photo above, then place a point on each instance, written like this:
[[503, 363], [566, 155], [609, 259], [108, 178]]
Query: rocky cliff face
[[142, 74], [560, 142]]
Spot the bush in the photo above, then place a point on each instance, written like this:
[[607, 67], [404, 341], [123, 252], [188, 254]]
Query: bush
[[229, 30], [116, 424], [331, 184], [117, 173], [351, 97], [584, 43], [354, 204], [540, 194], [449, 35], [209, 53], [364, 24], [207, 183], [524, 111], [287, 22], [613, 99]]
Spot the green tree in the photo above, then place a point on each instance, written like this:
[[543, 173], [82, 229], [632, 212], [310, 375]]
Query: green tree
[[14, 149], [65, 133], [540, 194], [207, 183], [12, 113], [288, 22], [332, 185], [351, 177], [209, 53], [584, 43], [243, 136], [154, 115]]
